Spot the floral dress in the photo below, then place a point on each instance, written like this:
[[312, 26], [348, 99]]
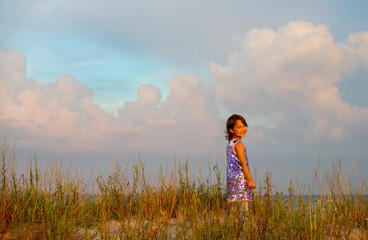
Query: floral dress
[[237, 186]]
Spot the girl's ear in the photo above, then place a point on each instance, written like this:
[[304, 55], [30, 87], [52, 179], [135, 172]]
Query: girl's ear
[[231, 130]]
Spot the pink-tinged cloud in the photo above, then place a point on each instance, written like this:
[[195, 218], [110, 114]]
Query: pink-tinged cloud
[[186, 122], [63, 112], [292, 72], [283, 81], [62, 115]]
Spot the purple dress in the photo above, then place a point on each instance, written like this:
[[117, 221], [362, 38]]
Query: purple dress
[[237, 186]]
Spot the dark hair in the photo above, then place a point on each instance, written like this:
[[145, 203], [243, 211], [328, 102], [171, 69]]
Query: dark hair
[[230, 125]]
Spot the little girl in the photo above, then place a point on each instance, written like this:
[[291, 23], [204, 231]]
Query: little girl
[[239, 179]]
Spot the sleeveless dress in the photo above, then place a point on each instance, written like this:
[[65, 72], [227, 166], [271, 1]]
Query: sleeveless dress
[[237, 186]]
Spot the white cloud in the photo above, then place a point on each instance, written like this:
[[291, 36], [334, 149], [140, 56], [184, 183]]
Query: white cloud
[[291, 73], [359, 42]]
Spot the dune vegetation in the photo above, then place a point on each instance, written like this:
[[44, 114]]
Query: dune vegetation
[[57, 203]]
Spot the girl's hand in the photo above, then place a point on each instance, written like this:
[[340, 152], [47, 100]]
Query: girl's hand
[[252, 184]]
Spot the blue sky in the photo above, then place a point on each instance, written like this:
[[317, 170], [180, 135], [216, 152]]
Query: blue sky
[[104, 76]]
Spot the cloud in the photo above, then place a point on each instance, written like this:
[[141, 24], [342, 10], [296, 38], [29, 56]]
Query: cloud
[[63, 116], [288, 75], [283, 80], [183, 123], [146, 29], [63, 111]]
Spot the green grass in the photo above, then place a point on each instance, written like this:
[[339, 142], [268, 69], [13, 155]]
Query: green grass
[[56, 204]]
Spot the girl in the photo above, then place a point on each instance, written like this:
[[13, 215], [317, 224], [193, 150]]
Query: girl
[[239, 179]]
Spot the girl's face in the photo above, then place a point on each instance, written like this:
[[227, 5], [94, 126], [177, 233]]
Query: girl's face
[[239, 130]]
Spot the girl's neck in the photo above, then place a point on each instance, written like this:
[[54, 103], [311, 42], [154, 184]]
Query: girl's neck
[[236, 138]]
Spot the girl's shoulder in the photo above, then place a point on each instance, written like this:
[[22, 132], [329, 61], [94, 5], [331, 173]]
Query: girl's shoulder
[[232, 142]]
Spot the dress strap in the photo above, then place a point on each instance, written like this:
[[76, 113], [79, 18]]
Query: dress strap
[[233, 145]]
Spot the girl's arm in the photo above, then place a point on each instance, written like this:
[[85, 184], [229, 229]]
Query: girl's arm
[[239, 148]]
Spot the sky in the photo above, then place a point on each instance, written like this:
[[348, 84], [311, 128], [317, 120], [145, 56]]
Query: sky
[[84, 81]]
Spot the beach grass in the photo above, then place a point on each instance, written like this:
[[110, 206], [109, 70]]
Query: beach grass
[[57, 203]]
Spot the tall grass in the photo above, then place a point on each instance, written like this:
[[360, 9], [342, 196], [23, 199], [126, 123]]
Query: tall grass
[[56, 204]]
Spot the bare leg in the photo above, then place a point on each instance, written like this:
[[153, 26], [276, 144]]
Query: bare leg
[[237, 208], [244, 206]]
